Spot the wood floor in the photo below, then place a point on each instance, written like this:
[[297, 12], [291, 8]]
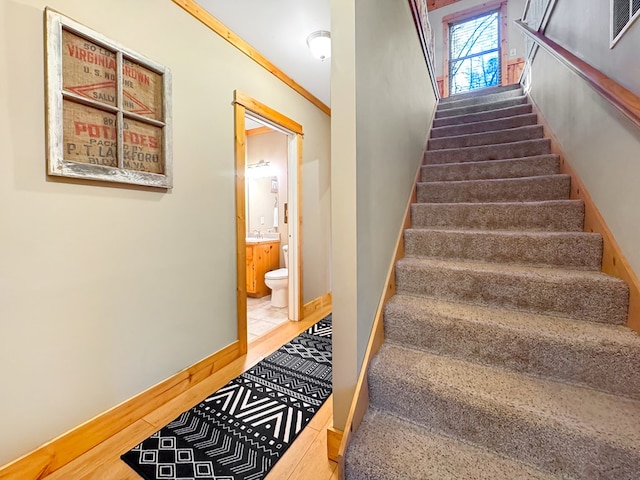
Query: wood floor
[[306, 459]]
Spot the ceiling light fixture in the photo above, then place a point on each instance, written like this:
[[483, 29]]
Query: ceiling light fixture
[[320, 44]]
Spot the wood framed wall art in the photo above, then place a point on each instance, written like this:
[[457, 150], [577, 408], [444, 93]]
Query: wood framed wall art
[[108, 109]]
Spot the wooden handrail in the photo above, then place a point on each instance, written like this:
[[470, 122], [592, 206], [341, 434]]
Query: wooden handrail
[[624, 100]]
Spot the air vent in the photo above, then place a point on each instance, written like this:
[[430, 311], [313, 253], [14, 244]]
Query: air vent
[[623, 13]]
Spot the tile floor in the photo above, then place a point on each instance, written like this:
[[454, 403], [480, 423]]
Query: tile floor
[[262, 317]]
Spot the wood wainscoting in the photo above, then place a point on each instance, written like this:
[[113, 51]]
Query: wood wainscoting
[[514, 70]]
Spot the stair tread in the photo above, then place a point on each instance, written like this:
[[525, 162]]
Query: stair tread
[[497, 151], [578, 250], [541, 273], [478, 137], [504, 204], [522, 189], [505, 168], [483, 107], [412, 452], [502, 161], [519, 233], [480, 99], [484, 147], [614, 420], [484, 126], [496, 181], [486, 115], [479, 92], [561, 329], [497, 234]]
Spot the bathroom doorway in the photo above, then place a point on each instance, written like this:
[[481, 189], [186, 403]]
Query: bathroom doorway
[[266, 203], [268, 155]]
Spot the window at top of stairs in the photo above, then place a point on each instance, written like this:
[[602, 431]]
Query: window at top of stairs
[[474, 53]]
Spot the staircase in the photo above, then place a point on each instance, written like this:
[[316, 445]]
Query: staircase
[[505, 355]]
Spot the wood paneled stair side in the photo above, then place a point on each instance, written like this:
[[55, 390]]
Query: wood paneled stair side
[[506, 353]]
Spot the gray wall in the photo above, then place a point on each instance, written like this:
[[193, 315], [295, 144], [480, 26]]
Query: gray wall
[[382, 105], [600, 143], [107, 290], [583, 28]]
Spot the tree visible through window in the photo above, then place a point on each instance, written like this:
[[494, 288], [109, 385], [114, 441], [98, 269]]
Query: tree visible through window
[[474, 53]]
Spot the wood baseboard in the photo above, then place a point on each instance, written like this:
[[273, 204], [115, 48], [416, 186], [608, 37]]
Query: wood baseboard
[[316, 304], [614, 262], [58, 452], [334, 438]]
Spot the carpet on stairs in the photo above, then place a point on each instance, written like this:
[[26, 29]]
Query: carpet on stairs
[[505, 353]]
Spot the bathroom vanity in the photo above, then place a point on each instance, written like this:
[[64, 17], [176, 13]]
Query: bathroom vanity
[[263, 255]]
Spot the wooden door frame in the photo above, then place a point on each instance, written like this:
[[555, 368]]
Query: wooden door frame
[[468, 14], [243, 103]]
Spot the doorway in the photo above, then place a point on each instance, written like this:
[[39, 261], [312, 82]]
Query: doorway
[[267, 226], [268, 153]]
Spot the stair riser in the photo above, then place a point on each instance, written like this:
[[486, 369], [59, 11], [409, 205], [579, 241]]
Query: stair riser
[[481, 127], [517, 168], [583, 251], [582, 299], [601, 366], [545, 216], [479, 93], [554, 187], [491, 138], [453, 112], [484, 116], [551, 448], [488, 152], [480, 100]]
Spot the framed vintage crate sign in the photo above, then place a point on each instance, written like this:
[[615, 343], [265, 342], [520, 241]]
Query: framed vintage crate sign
[[108, 109]]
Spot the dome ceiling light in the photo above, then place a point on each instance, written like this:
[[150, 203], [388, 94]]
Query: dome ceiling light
[[320, 44]]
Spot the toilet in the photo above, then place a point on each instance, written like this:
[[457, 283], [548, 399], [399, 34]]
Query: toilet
[[278, 282]]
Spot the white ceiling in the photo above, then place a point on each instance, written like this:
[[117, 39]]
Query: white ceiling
[[278, 29]]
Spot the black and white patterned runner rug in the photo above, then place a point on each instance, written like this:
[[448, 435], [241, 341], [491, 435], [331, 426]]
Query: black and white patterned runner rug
[[240, 431]]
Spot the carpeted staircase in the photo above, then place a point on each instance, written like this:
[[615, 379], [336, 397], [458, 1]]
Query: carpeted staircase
[[505, 355]]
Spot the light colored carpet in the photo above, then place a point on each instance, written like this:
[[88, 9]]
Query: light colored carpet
[[505, 355]]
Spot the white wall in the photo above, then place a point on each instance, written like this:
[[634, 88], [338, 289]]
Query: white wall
[[515, 8], [106, 290], [382, 105], [600, 143]]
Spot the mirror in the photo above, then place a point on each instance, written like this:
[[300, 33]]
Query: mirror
[[262, 204]]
